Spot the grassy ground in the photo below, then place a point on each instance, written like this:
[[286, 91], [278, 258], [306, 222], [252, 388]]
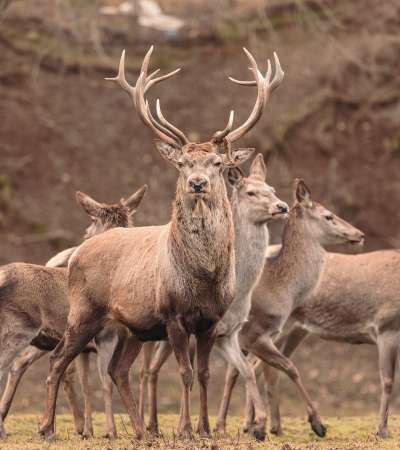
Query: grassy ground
[[343, 433]]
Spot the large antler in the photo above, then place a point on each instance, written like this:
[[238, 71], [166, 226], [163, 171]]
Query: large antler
[[265, 85], [164, 130]]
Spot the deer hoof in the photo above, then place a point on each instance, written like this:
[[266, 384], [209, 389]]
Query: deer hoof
[[259, 435], [203, 433], [111, 435], [153, 430], [220, 428], [318, 428], [247, 427], [185, 434], [383, 433], [277, 431], [87, 435], [47, 433]]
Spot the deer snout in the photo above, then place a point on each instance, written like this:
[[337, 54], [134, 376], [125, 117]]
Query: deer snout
[[198, 184], [356, 238], [280, 208]]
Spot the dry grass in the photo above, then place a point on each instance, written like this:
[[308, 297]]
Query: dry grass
[[343, 433]]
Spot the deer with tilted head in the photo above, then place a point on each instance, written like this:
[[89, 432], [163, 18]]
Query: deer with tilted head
[[162, 282], [34, 309], [284, 285]]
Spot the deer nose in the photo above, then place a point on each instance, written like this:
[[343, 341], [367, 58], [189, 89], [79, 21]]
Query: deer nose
[[198, 184], [282, 207]]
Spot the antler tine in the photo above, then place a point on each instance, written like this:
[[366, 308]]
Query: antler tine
[[137, 92], [264, 86], [258, 106], [279, 74], [176, 131], [150, 82], [120, 78], [158, 125], [219, 136], [276, 81]]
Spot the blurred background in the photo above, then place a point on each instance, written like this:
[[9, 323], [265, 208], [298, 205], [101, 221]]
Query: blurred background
[[335, 121]]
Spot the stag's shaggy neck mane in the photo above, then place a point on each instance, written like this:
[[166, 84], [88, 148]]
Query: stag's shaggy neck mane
[[202, 233]]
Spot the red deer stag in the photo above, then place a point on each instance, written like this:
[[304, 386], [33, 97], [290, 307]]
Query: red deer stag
[[254, 204], [162, 282]]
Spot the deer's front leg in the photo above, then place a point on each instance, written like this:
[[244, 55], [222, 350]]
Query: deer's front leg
[[179, 340], [205, 342]]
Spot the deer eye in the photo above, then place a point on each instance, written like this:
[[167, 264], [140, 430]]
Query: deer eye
[[218, 163], [329, 217], [179, 164], [251, 194]]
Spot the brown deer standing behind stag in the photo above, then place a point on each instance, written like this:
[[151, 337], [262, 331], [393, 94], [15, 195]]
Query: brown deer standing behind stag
[[34, 309], [162, 282]]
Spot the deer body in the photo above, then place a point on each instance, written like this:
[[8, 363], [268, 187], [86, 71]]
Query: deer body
[[170, 281], [254, 203], [34, 308], [334, 311], [357, 302], [165, 287], [286, 281]]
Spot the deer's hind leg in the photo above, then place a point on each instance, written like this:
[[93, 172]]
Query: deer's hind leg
[[83, 325], [233, 354], [265, 349], [69, 385], [287, 344], [12, 342], [163, 352], [16, 372], [83, 364], [147, 354], [231, 377], [125, 353], [106, 342], [388, 349]]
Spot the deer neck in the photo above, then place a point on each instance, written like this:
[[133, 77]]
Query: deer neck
[[301, 259], [201, 238], [251, 242]]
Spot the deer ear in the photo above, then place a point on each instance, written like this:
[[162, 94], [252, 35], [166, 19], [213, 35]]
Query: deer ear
[[258, 169], [235, 176], [169, 153], [92, 207], [135, 199], [239, 156], [301, 192]]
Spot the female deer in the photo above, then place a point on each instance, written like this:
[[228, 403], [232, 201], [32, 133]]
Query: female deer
[[285, 283], [34, 309]]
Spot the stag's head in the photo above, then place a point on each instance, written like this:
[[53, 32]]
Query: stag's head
[[326, 228], [253, 197], [106, 216], [200, 165]]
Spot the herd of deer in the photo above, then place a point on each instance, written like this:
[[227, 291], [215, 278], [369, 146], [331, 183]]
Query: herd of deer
[[209, 273]]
